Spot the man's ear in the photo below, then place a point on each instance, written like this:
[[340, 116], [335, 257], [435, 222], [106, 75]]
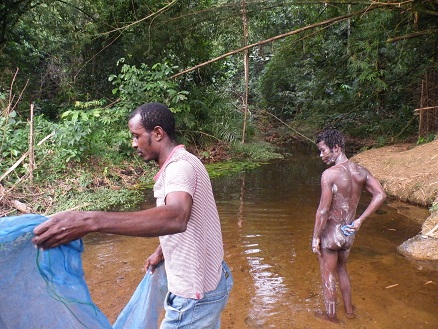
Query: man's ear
[[159, 133], [337, 148]]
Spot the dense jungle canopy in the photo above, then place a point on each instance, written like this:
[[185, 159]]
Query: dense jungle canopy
[[71, 71]]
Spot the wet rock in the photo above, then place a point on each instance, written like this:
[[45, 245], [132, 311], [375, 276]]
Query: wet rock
[[422, 250]]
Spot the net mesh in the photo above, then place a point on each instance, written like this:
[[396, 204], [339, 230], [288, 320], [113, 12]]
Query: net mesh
[[46, 288]]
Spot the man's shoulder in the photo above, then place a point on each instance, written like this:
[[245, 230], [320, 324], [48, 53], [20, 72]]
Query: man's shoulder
[[183, 154], [334, 173], [358, 168], [330, 171], [186, 159], [329, 175]]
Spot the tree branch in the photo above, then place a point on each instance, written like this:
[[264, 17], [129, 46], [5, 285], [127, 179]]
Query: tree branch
[[281, 36], [413, 35]]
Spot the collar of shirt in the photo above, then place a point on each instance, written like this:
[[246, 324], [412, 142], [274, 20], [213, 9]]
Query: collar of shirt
[[167, 160]]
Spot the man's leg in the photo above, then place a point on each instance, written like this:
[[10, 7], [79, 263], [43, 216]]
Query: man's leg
[[205, 313], [344, 282], [328, 261]]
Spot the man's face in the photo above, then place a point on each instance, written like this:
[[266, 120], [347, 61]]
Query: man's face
[[327, 155], [142, 140]]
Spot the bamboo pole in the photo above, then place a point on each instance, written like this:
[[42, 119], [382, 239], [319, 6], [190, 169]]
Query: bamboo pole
[[432, 230], [281, 36], [413, 35], [246, 69], [31, 141], [294, 130], [17, 163]]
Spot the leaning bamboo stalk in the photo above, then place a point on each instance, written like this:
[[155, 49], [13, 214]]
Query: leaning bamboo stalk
[[17, 163], [432, 230], [281, 36]]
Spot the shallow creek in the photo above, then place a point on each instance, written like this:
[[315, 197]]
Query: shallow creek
[[267, 218]]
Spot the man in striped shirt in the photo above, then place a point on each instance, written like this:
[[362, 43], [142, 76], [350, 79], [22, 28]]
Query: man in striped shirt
[[185, 219]]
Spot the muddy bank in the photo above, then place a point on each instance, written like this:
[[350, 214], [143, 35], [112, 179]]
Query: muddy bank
[[410, 173]]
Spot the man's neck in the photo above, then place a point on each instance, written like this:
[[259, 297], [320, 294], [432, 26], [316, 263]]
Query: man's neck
[[165, 153], [341, 159]]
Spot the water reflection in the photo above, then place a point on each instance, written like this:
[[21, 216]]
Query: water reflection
[[267, 218], [270, 204], [272, 211]]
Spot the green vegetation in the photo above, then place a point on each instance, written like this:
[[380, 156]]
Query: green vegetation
[[434, 207], [83, 65]]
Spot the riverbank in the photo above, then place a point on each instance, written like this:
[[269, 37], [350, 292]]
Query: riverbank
[[410, 174]]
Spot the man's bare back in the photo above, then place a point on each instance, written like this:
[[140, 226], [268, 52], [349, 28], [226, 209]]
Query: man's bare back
[[335, 223], [346, 181]]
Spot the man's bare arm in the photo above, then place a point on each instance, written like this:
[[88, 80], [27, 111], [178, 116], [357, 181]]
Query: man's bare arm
[[373, 186], [68, 226]]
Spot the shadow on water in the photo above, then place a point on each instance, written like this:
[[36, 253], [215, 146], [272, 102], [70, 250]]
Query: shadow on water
[[267, 218]]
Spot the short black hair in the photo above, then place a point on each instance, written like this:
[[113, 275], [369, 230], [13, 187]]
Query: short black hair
[[331, 138], [156, 114]]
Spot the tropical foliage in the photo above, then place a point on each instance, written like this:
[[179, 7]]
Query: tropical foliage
[[83, 65]]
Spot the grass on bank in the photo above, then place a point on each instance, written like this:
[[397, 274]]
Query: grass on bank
[[112, 181]]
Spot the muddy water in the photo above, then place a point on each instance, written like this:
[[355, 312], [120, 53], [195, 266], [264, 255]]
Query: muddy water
[[267, 220]]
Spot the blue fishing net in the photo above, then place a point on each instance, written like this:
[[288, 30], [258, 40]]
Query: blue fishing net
[[146, 304], [46, 288]]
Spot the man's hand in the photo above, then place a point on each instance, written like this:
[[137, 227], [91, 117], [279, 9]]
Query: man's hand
[[352, 228], [315, 246], [153, 260], [62, 228]]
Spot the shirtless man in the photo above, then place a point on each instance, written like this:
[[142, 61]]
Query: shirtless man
[[335, 223]]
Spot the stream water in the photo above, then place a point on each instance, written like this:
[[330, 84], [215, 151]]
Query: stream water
[[267, 218]]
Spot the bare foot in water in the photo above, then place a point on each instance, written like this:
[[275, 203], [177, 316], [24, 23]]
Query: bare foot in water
[[351, 315], [324, 316]]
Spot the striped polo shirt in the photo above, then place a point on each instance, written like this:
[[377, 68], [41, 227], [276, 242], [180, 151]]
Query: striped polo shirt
[[193, 258]]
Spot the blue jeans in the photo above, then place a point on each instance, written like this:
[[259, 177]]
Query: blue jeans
[[205, 313]]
